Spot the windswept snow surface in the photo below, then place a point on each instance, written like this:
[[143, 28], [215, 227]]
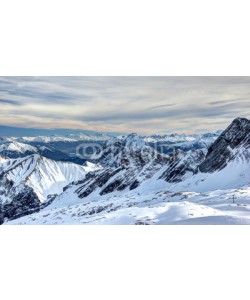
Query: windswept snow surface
[[164, 207]]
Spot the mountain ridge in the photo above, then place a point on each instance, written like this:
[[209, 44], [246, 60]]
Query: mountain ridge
[[135, 175]]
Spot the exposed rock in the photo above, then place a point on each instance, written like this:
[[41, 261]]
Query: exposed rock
[[128, 162], [183, 163], [224, 149]]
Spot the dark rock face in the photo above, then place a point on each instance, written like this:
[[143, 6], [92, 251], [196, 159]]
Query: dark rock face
[[23, 201], [128, 162], [224, 149], [126, 151], [181, 164], [97, 180], [118, 179], [14, 154]]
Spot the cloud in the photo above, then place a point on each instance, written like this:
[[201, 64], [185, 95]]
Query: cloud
[[142, 104], [162, 106], [11, 102]]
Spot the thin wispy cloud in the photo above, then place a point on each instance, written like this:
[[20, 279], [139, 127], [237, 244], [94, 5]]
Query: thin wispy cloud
[[127, 104]]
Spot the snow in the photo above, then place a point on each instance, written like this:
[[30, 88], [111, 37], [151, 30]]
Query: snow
[[159, 208], [236, 174], [222, 197], [45, 176], [173, 138], [61, 138], [17, 147], [183, 138], [2, 159], [219, 197]]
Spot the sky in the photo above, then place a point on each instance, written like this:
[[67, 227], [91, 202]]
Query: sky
[[145, 105]]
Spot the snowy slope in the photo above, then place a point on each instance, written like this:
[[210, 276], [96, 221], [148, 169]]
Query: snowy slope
[[43, 175], [30, 183], [2, 159], [16, 147], [161, 208], [133, 166]]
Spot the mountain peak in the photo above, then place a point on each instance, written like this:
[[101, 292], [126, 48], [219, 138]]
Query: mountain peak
[[236, 132], [241, 120], [227, 145], [17, 147], [134, 142]]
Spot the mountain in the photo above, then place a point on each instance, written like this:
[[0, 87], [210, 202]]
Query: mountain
[[128, 161], [162, 143], [168, 144], [130, 166], [26, 183], [183, 164], [139, 185], [176, 138], [62, 138], [2, 140], [65, 147], [234, 141], [15, 149]]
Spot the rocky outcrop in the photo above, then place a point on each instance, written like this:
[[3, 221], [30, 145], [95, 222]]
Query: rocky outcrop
[[21, 201], [26, 184], [128, 162], [182, 164], [227, 146]]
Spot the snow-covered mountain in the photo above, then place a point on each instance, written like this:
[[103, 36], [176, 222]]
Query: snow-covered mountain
[[129, 164], [183, 165], [179, 141], [128, 161], [139, 185], [32, 180], [168, 144], [174, 138], [64, 147], [62, 138], [233, 143], [15, 149], [177, 138]]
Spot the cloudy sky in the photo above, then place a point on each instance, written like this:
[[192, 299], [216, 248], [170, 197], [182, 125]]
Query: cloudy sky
[[124, 104]]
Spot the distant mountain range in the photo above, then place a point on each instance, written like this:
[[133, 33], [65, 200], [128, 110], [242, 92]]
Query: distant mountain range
[[63, 147]]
